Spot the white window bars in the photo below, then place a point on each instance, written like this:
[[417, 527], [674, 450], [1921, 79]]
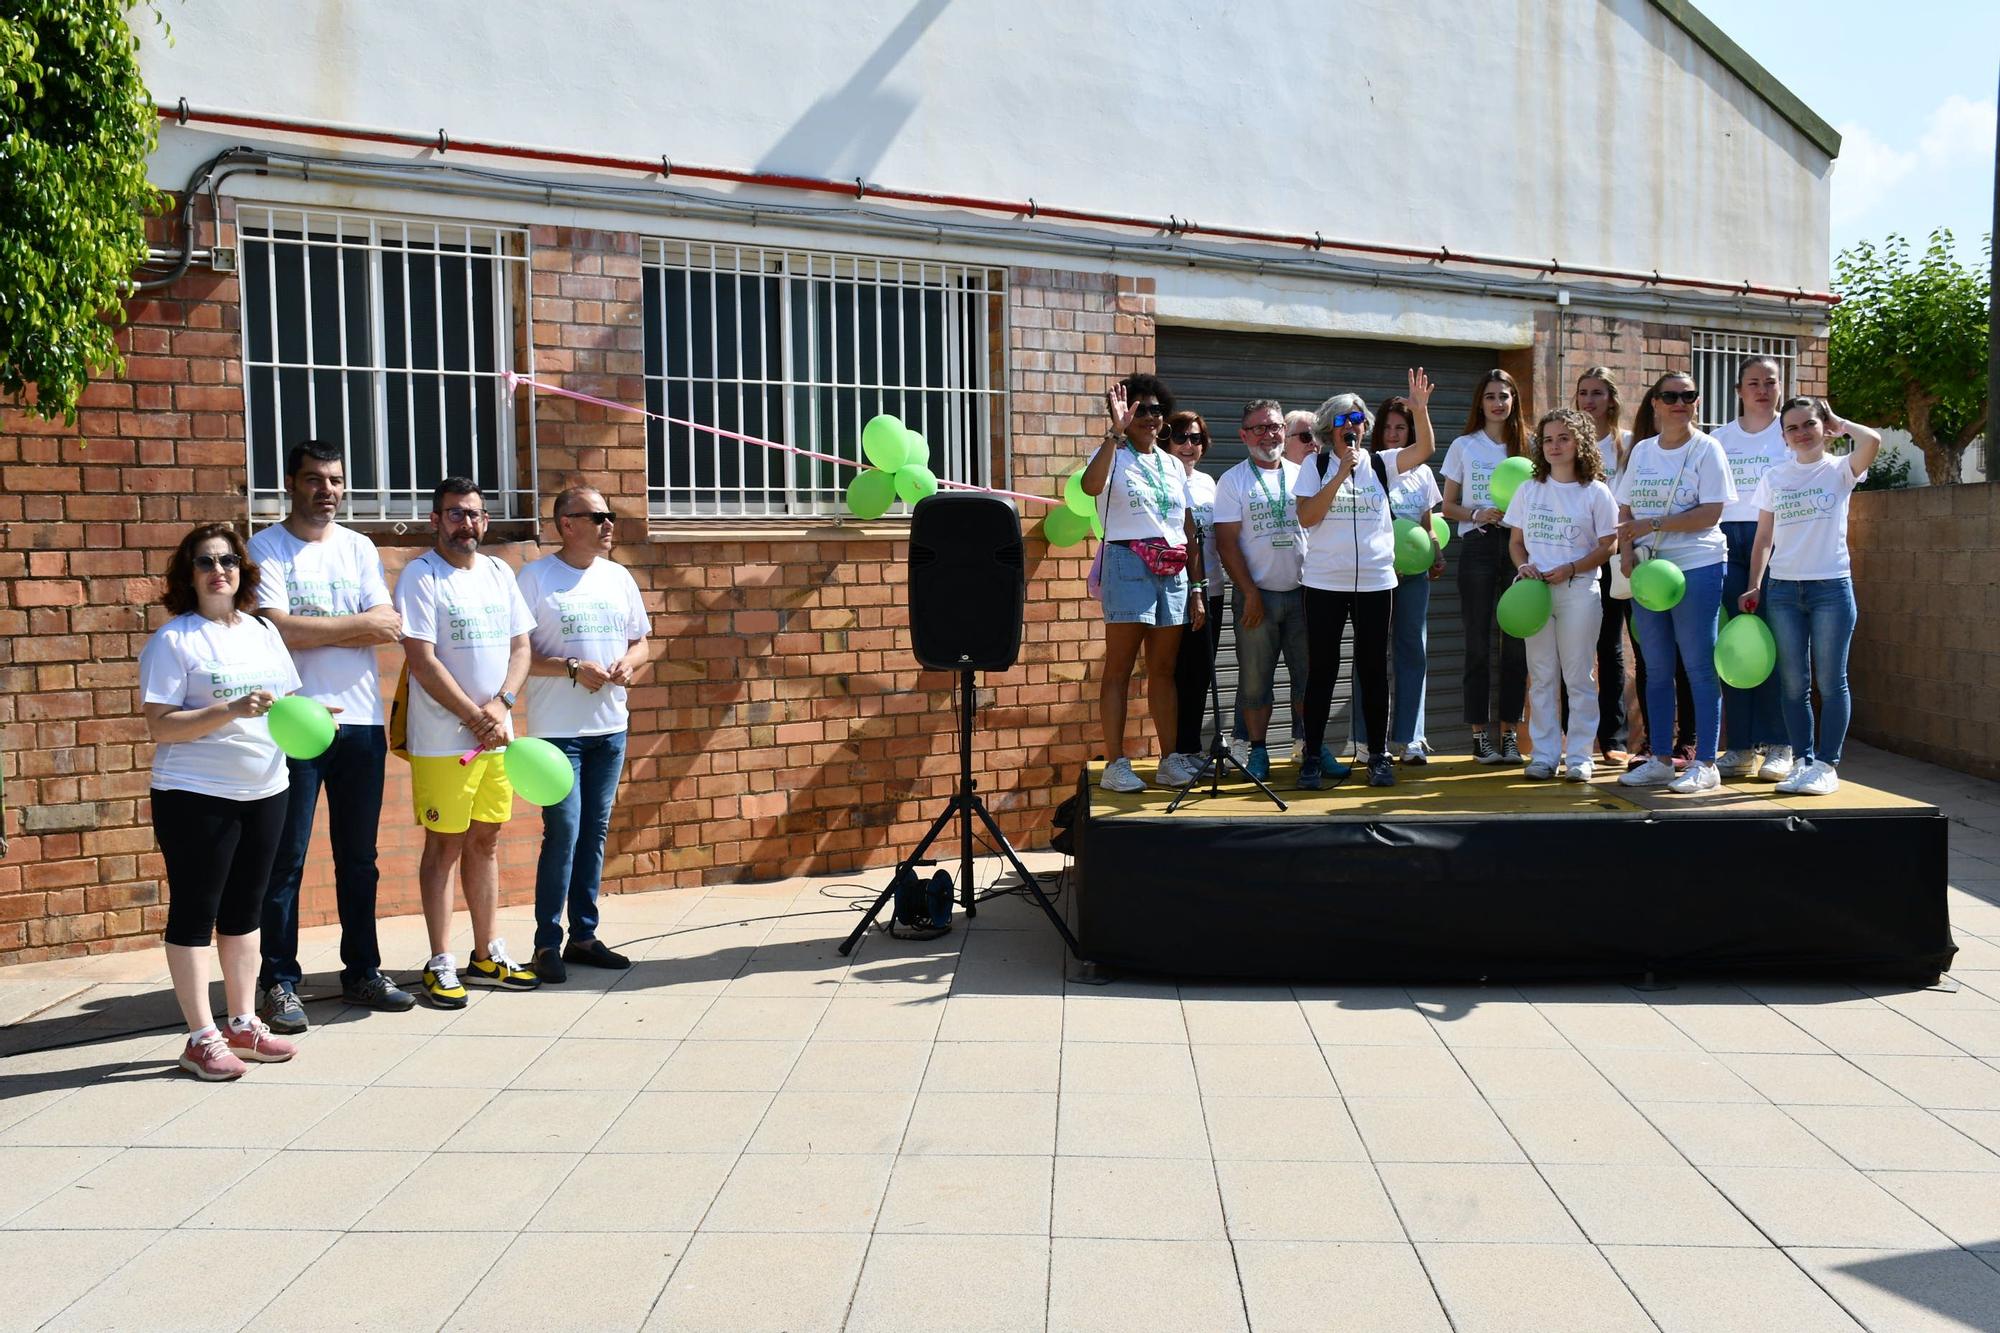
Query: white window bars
[[390, 337], [803, 348], [1719, 356]]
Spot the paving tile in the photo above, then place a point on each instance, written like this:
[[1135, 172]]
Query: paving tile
[[111, 1113], [30, 1173], [686, 1122], [1926, 1291], [1673, 1076], [1745, 1027], [969, 1196], [47, 1270], [1873, 1031], [1136, 1199], [1585, 1133], [1272, 1018], [1121, 1018], [998, 1018], [1812, 1080], [382, 1280], [1431, 1129], [1490, 1024], [172, 1285], [1711, 1290], [1649, 1205], [253, 1115], [982, 1123], [1109, 1286], [625, 1274], [596, 1064], [1287, 1129], [1370, 1017], [326, 1190], [1509, 1073], [1476, 1202], [1964, 1205], [1822, 1206], [639, 1015], [1096, 1066], [1312, 1286], [1955, 1083], [144, 1188], [1398, 1071], [998, 1283], [860, 1066], [486, 1192], [454, 1061], [760, 1018], [727, 1066], [532, 1120], [1113, 1124], [1268, 1069], [1895, 1138], [396, 1119], [350, 1055], [1710, 1134], [833, 1122], [544, 1013], [1513, 1288], [801, 1192], [1982, 1126], [1616, 1027], [643, 1192], [709, 1293], [1319, 1201], [994, 1066]]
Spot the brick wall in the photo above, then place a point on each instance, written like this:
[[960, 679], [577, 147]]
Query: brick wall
[[1925, 666], [1638, 352], [784, 729]]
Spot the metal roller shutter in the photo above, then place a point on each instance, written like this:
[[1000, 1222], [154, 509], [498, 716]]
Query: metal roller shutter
[[1215, 372]]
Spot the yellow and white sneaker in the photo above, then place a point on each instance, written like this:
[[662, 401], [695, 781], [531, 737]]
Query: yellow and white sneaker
[[496, 969], [441, 983]]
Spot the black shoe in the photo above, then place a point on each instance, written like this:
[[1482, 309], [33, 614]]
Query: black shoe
[[548, 965], [592, 953], [1483, 751], [1381, 773], [1510, 753], [378, 992]]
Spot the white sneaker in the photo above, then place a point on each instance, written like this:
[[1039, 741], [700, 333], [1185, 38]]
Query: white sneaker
[[1821, 780], [1239, 749], [1737, 763], [1698, 777], [1118, 776], [1652, 773], [1361, 754], [1579, 770], [1417, 752], [1777, 764], [1538, 770], [1175, 771]]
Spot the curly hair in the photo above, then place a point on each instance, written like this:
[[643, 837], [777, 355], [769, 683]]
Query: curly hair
[[179, 596], [1140, 385], [1589, 462]]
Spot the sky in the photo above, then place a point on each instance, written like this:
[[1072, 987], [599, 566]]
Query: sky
[[1910, 86]]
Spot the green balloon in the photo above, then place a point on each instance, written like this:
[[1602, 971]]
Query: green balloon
[[1440, 531], [538, 771], [1076, 497], [1524, 608], [883, 442], [1745, 652], [1065, 527], [302, 727], [870, 494], [1096, 523], [1507, 478], [914, 482], [1658, 585], [916, 450], [1414, 549]]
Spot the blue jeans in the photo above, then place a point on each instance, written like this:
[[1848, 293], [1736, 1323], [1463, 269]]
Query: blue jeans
[[1409, 663], [1686, 633], [573, 829], [1751, 719], [1282, 632], [1813, 622], [351, 772]]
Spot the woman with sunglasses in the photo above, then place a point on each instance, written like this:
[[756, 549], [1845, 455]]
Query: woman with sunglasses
[[1150, 546], [207, 677], [1494, 432], [1188, 439], [1753, 725], [1671, 494], [1413, 495]]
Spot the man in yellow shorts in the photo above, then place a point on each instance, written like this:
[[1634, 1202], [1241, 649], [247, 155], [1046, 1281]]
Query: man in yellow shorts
[[465, 633]]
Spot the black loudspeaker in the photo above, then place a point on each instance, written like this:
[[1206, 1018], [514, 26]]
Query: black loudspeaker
[[968, 582]]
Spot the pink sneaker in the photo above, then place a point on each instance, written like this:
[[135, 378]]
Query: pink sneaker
[[211, 1060], [257, 1044]]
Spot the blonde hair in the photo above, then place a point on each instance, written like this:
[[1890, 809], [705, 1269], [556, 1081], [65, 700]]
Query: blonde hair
[[1589, 462]]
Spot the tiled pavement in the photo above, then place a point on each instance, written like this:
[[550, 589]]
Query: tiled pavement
[[749, 1132]]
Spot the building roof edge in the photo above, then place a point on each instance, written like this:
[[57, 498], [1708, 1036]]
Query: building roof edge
[[1758, 79]]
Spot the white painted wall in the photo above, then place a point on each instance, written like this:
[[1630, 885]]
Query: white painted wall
[[1590, 130]]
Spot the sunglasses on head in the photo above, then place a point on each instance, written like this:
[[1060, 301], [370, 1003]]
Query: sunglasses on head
[[594, 515], [1673, 396], [1347, 419], [1149, 410], [227, 563], [1189, 437]]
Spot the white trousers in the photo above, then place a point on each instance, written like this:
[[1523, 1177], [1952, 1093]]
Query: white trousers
[[1563, 655]]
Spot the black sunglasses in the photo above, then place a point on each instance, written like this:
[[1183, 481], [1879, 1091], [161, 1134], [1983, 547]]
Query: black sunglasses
[[1190, 437], [1672, 396], [1149, 410], [205, 563], [594, 515]]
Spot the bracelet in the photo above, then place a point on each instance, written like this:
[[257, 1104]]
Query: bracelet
[[1199, 585]]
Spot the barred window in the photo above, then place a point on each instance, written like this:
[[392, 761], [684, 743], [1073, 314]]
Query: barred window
[[1718, 359], [803, 348], [390, 337]]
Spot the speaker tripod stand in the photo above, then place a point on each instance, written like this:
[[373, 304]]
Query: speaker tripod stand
[[1218, 756], [965, 803]]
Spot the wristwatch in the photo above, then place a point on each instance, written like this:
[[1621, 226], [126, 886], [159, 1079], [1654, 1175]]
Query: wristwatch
[[571, 663], [506, 697], [1657, 522]]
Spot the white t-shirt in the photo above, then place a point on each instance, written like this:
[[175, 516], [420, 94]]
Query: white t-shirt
[[470, 616], [1201, 499], [1147, 496], [338, 575], [591, 614], [1414, 493], [1273, 543], [1750, 457], [1808, 504], [1607, 449], [193, 662], [1561, 521], [1647, 487], [1352, 548], [1470, 462]]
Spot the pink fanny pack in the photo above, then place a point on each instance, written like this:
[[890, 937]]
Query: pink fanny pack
[[1159, 557]]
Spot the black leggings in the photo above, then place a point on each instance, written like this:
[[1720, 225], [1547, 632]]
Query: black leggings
[[1485, 570], [218, 854], [1193, 670], [1327, 614]]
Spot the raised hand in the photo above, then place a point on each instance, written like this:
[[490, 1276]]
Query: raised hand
[[1117, 403], [1420, 389]]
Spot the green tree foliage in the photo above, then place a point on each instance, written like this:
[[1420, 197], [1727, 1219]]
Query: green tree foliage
[[1908, 346], [76, 126]]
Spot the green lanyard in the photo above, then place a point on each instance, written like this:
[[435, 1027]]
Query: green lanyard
[[1272, 500], [1156, 488]]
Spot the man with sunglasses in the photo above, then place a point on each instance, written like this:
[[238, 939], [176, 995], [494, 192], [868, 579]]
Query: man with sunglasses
[[1257, 534], [321, 588], [466, 637], [588, 643]]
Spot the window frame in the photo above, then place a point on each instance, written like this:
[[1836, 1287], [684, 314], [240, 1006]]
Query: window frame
[[1725, 350]]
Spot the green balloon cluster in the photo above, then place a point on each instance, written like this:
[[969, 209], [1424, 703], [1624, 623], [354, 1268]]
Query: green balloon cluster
[[1507, 479], [1415, 547], [1745, 652], [538, 771], [899, 469], [1063, 526], [302, 727], [1658, 585], [1524, 608]]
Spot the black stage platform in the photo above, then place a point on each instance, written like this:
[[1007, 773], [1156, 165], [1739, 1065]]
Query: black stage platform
[[1464, 873]]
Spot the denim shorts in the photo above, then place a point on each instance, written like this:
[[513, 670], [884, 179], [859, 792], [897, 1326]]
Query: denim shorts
[[1135, 595]]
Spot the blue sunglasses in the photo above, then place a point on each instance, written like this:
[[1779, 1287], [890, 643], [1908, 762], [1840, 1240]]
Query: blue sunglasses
[[1348, 419]]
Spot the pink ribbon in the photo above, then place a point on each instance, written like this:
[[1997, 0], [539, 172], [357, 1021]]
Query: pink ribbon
[[512, 379]]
